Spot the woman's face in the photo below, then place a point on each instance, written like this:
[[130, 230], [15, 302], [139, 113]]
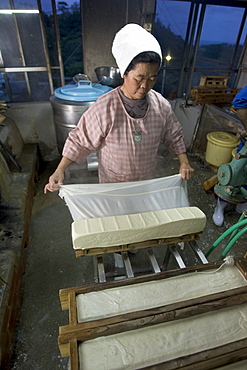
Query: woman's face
[[140, 80]]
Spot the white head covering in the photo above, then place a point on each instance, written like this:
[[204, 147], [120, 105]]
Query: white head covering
[[130, 41]]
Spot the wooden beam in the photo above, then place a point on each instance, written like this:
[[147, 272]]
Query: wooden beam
[[145, 318], [74, 358], [209, 183], [140, 245], [227, 354], [64, 293]]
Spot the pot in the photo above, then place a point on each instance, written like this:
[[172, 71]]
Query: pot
[[69, 103]]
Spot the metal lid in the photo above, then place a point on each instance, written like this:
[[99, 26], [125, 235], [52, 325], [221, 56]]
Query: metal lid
[[83, 91]]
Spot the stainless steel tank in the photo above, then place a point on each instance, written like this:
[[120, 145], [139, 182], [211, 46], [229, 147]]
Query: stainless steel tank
[[69, 103], [66, 115]]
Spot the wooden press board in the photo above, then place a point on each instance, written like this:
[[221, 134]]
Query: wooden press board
[[113, 334]]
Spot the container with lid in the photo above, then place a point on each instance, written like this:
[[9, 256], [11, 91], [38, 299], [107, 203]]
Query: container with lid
[[69, 102], [83, 91], [219, 147]]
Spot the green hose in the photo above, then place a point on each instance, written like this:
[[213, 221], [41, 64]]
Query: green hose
[[233, 240], [243, 216], [225, 234]]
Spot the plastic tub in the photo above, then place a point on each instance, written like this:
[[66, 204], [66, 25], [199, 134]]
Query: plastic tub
[[219, 147]]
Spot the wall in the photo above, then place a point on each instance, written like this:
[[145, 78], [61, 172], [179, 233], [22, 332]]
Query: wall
[[101, 20], [35, 123]]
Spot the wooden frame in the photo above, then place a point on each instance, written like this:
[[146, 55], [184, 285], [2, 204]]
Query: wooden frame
[[233, 352], [70, 336], [140, 245]]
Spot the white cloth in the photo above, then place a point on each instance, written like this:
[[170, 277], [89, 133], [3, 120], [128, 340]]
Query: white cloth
[[112, 199], [130, 41]]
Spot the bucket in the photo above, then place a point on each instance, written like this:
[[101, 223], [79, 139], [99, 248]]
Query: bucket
[[219, 147]]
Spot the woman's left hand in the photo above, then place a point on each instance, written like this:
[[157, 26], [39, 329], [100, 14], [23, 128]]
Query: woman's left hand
[[186, 171]]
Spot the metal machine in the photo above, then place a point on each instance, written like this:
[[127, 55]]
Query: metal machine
[[232, 176]]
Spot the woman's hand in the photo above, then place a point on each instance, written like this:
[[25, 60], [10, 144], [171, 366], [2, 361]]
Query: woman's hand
[[185, 170], [55, 181]]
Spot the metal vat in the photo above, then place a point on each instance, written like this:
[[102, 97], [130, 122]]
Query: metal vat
[[69, 103], [66, 115]]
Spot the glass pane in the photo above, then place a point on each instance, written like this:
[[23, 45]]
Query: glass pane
[[8, 42], [3, 92], [167, 82], [32, 44], [27, 4], [197, 76], [51, 38], [56, 77], [213, 119], [40, 87], [244, 33], [219, 34], [4, 4], [69, 18], [170, 28], [18, 86], [241, 45], [46, 6]]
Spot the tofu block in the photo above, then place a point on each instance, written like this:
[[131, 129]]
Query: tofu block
[[136, 297], [125, 229]]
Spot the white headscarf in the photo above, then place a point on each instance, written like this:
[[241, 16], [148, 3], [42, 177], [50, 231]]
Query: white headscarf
[[130, 41]]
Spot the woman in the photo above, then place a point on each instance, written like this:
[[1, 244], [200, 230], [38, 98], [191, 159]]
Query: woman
[[127, 124]]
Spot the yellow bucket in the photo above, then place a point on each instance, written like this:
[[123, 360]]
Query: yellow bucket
[[219, 147]]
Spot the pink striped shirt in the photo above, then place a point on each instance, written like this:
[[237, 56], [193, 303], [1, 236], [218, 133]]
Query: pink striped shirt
[[128, 146]]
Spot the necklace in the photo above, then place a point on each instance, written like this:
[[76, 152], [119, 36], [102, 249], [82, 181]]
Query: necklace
[[137, 136]]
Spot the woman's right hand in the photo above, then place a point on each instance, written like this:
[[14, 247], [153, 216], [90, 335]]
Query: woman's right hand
[[55, 181]]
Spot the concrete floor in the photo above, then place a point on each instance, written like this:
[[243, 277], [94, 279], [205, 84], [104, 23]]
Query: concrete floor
[[51, 263]]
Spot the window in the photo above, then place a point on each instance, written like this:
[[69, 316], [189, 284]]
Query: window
[[37, 43], [218, 39], [41, 44], [170, 30], [209, 38]]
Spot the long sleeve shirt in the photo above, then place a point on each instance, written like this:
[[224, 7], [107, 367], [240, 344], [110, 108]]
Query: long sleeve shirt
[[127, 146]]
